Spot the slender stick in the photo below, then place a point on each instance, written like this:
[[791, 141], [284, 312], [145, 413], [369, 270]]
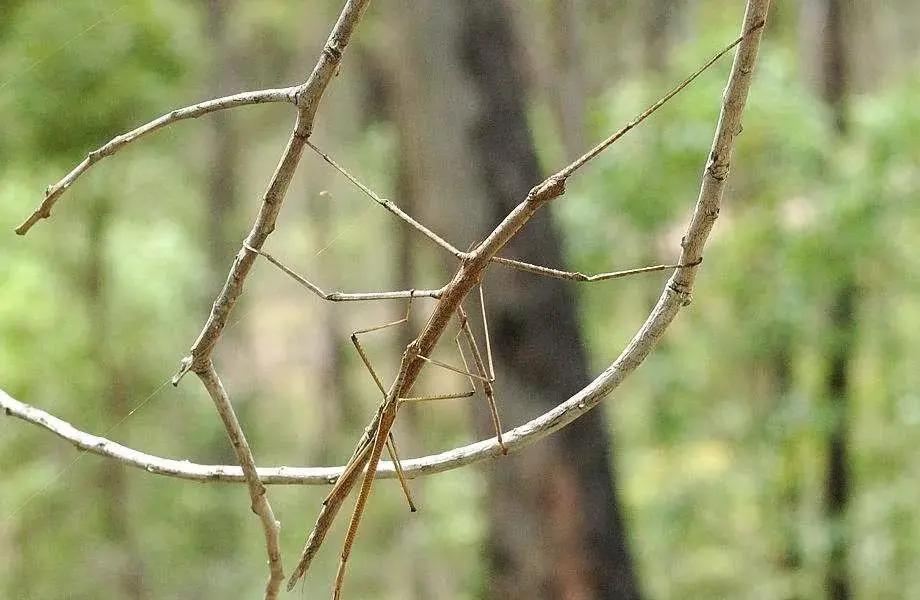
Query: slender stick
[[54, 192], [257, 494]]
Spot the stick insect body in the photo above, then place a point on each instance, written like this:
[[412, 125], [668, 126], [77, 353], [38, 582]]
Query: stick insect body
[[468, 276]]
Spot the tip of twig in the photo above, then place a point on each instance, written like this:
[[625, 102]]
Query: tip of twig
[[184, 365], [28, 223]]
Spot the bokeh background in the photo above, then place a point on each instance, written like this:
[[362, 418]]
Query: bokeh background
[[767, 449]]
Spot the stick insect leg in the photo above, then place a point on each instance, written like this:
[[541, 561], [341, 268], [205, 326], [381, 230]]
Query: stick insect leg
[[485, 328], [484, 377], [384, 425], [341, 296], [400, 474], [575, 276], [391, 442], [387, 204], [451, 396]]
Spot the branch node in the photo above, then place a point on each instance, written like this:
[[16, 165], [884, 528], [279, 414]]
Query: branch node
[[185, 365], [332, 50], [550, 188]]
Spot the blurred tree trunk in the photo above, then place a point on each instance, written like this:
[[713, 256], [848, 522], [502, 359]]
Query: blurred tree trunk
[[657, 22], [556, 530], [222, 175], [568, 87], [121, 553], [828, 20], [790, 494]]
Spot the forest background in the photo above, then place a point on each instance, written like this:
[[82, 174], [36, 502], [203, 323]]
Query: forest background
[[767, 448]]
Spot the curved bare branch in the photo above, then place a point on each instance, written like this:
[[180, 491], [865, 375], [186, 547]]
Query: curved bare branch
[[54, 192]]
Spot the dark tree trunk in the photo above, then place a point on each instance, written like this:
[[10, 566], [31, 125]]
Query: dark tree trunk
[[838, 481], [556, 530], [790, 495], [828, 19]]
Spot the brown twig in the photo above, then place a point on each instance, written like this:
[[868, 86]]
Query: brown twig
[[260, 504]]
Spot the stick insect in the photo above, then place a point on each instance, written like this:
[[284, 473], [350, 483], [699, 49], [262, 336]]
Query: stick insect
[[377, 435]]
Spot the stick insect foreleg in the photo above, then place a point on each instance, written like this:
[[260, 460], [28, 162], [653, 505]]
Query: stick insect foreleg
[[343, 296], [387, 204]]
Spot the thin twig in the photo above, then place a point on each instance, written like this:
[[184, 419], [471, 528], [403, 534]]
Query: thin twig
[[257, 494], [53, 193]]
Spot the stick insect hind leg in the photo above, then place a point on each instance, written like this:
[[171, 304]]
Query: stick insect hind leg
[[364, 444], [485, 369], [488, 376]]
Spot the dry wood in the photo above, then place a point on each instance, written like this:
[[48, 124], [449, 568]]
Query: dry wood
[[260, 504]]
